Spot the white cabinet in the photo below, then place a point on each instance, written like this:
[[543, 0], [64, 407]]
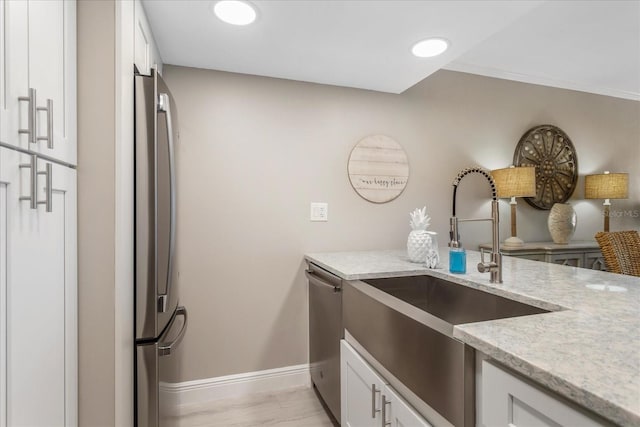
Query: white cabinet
[[146, 54], [38, 244], [38, 288], [367, 399], [38, 76], [361, 390], [508, 400], [399, 413]]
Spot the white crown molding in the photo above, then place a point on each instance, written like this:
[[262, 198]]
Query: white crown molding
[[179, 398], [537, 80]]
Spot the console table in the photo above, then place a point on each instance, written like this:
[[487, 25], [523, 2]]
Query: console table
[[585, 254]]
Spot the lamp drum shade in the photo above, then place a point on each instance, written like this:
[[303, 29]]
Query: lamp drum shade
[[606, 186], [515, 181]]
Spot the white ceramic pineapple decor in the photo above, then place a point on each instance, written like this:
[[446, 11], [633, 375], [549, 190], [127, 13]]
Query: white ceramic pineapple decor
[[419, 241]]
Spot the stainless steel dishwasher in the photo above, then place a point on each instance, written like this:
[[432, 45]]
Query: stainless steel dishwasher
[[325, 333]]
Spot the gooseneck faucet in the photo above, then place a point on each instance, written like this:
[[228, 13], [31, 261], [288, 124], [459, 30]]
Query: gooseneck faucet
[[494, 266]]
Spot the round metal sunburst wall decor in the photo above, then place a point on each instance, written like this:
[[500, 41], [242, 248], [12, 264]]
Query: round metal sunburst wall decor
[[552, 153]]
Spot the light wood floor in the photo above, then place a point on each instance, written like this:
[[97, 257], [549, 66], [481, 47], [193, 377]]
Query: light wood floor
[[291, 408]]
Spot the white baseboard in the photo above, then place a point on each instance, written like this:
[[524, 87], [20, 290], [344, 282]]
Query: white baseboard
[[175, 397]]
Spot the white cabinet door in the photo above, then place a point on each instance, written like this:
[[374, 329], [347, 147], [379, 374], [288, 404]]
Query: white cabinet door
[[39, 42], [146, 54], [361, 390], [509, 401], [52, 72], [14, 71], [4, 261], [38, 323], [398, 413]]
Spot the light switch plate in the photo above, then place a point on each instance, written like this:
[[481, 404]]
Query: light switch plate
[[319, 211]]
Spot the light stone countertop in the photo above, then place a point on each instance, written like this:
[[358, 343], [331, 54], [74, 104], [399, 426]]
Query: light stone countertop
[[587, 349]]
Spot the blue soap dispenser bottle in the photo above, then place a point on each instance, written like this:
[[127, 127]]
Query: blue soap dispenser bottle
[[457, 261]]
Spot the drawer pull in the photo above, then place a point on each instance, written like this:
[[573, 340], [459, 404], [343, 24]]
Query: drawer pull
[[374, 411], [33, 185], [383, 406], [49, 110], [31, 120], [48, 201]]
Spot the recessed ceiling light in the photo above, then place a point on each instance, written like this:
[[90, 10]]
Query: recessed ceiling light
[[429, 47], [235, 12]]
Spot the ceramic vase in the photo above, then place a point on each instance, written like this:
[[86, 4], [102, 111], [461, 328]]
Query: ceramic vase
[[562, 222], [419, 240], [418, 244]]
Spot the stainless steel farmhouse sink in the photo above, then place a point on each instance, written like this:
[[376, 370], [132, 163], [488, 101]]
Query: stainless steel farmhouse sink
[[406, 325], [455, 304]]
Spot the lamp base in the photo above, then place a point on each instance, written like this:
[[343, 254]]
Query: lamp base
[[513, 242]]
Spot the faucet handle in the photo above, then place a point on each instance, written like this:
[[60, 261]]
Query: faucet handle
[[484, 267]]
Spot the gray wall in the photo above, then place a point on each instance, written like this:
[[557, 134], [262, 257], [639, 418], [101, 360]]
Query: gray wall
[[105, 212], [96, 215], [254, 152]]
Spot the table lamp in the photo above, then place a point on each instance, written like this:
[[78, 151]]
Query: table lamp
[[515, 182], [606, 186]]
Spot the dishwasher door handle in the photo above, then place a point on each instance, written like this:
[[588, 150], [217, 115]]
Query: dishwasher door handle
[[315, 280]]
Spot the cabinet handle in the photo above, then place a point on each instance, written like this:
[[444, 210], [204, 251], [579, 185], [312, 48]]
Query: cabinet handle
[[383, 406], [374, 411], [49, 110], [31, 125], [33, 185], [48, 201]]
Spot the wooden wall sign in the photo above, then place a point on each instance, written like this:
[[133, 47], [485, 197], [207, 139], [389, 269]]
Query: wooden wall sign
[[378, 168]]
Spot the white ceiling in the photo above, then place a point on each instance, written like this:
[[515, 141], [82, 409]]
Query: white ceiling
[[593, 46]]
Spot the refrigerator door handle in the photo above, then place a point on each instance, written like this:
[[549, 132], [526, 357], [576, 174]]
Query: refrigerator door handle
[[164, 105], [165, 349]]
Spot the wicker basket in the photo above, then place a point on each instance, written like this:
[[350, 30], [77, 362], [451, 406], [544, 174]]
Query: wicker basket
[[621, 251]]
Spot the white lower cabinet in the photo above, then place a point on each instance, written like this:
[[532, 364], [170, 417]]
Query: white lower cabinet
[[38, 324], [510, 401], [367, 399], [399, 413], [361, 390]]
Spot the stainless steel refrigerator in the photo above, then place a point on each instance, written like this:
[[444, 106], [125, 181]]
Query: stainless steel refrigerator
[[160, 323]]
